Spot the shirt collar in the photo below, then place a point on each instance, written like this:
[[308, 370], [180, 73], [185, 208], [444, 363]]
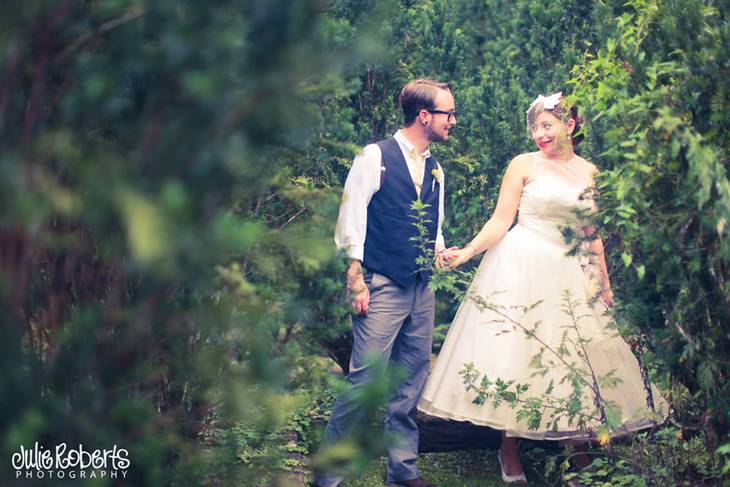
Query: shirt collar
[[406, 144]]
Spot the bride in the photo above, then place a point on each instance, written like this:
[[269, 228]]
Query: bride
[[534, 314]]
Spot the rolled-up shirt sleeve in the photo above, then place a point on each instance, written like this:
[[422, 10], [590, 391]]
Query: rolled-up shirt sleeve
[[440, 245], [362, 182]]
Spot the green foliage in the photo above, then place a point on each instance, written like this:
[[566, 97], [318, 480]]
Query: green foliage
[[264, 454], [657, 100], [160, 246], [451, 469], [606, 472], [663, 457]]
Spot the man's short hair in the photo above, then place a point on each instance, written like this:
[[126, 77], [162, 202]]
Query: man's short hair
[[419, 94]]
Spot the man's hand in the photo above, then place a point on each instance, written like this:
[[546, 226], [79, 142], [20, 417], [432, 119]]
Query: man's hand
[[455, 256], [359, 292], [441, 262]]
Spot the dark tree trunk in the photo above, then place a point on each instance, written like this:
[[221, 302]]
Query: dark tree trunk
[[439, 435], [338, 349]]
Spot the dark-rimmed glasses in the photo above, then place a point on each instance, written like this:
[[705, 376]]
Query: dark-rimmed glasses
[[451, 114]]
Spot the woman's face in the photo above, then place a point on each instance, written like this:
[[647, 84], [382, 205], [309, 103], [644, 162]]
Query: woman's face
[[551, 134]]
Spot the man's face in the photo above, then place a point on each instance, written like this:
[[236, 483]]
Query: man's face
[[441, 123]]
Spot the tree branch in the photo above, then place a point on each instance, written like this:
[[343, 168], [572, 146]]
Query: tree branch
[[102, 29]]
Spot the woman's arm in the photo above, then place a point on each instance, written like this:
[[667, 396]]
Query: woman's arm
[[510, 192], [597, 248]]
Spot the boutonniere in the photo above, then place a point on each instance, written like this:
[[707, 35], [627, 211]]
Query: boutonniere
[[438, 177]]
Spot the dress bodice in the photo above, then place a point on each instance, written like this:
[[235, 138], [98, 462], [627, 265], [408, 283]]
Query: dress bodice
[[553, 197]]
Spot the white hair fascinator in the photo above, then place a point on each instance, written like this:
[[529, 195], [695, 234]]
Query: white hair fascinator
[[548, 102]]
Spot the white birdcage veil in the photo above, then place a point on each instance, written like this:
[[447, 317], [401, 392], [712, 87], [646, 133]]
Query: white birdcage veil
[[551, 103]]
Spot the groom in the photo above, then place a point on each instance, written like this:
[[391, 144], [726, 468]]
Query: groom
[[393, 304]]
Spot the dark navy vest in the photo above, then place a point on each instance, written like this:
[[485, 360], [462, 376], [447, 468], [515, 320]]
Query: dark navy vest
[[389, 249]]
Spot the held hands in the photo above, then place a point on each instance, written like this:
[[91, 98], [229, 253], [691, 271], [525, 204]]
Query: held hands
[[441, 261], [455, 256]]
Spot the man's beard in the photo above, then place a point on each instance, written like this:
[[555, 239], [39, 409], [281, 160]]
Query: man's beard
[[434, 136]]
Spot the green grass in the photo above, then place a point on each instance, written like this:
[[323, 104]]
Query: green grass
[[460, 469]]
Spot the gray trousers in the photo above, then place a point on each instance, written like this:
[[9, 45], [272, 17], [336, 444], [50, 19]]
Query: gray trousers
[[398, 327]]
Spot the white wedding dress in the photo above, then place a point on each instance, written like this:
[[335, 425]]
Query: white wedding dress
[[529, 266]]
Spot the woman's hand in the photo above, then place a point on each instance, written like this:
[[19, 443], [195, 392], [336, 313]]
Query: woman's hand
[[455, 256]]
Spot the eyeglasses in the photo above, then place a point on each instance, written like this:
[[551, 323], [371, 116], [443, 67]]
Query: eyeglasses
[[451, 114]]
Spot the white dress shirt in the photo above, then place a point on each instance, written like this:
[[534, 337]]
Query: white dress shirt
[[361, 184]]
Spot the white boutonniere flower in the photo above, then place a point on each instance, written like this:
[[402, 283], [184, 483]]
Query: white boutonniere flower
[[438, 177]]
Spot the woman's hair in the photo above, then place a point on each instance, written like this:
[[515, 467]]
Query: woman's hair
[[419, 95], [560, 111], [577, 136]]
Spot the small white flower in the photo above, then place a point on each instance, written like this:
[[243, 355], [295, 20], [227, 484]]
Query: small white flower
[[437, 177]]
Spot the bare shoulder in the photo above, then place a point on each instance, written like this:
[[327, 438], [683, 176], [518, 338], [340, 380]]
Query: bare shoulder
[[521, 163], [521, 166], [590, 168], [522, 159]]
